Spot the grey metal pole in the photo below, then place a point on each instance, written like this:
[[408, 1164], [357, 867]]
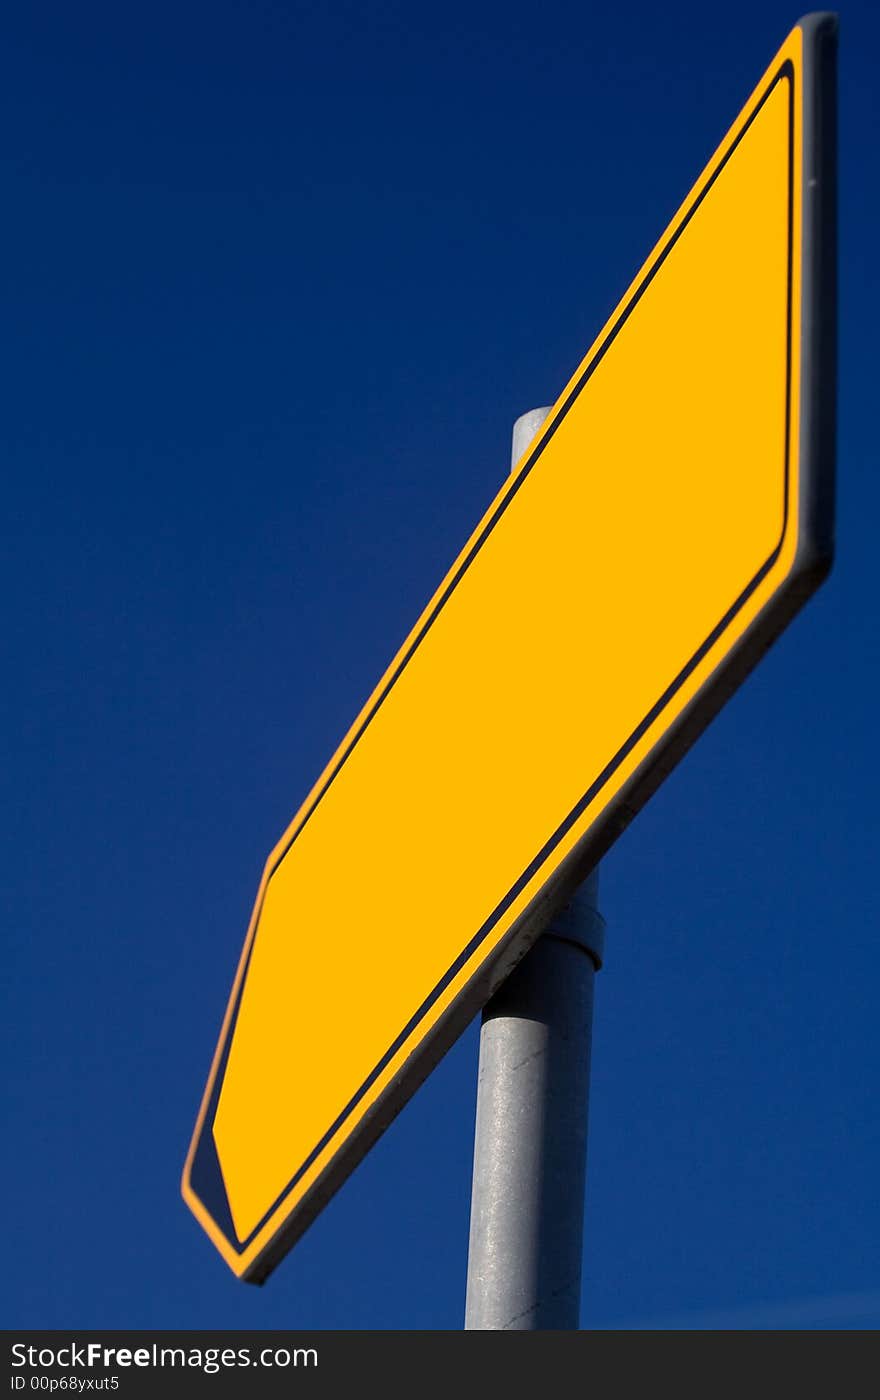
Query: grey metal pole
[[530, 1143]]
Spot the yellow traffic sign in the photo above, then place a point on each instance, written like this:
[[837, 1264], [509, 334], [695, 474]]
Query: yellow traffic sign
[[671, 516]]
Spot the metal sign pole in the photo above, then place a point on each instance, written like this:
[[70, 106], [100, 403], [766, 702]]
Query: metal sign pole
[[530, 1143]]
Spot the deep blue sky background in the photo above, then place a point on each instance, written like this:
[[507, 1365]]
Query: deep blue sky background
[[277, 278]]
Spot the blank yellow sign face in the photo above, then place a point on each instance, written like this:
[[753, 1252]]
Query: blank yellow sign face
[[669, 519]]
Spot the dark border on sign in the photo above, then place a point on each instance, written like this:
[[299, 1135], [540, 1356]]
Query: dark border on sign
[[819, 34], [218, 1206]]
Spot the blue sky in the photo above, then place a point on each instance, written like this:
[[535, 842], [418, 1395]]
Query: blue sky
[[278, 279]]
